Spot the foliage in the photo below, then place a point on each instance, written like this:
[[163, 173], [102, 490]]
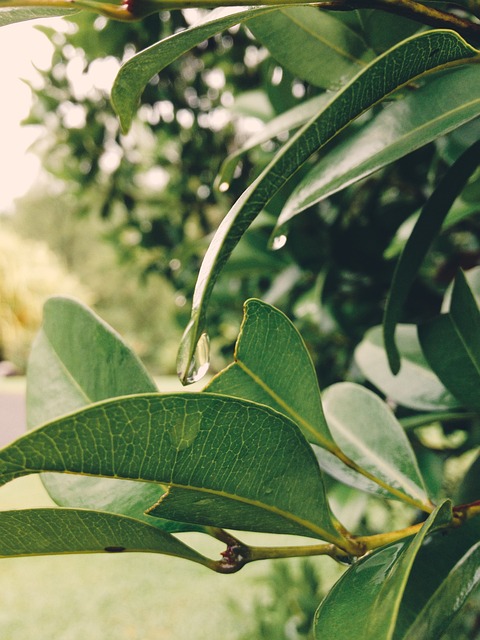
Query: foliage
[[261, 448]]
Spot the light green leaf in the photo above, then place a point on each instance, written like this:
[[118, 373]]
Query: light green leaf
[[212, 444], [273, 367], [451, 344], [136, 72], [313, 45], [28, 532], [11, 15], [409, 60], [366, 430], [61, 378], [291, 119], [426, 229], [416, 386], [400, 128], [378, 582], [448, 599]]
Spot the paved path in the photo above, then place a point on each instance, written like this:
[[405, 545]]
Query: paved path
[[12, 416]]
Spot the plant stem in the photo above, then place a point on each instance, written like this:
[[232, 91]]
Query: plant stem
[[428, 418]]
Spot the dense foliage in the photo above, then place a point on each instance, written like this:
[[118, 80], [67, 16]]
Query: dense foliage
[[370, 131]]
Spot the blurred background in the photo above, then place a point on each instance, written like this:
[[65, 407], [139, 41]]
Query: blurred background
[[122, 222]]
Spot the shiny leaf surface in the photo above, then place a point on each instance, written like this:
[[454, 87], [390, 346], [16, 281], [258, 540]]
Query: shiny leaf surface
[[213, 444], [410, 59], [273, 367]]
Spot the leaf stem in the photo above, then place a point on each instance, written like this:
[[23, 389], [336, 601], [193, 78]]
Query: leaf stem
[[424, 419]]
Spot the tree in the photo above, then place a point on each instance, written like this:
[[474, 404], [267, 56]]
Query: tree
[[253, 451]]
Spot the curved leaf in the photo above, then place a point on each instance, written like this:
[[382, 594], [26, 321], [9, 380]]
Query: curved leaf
[[366, 430], [136, 72], [388, 72], [426, 229], [449, 598], [416, 386], [213, 444], [61, 379], [451, 344], [11, 15], [273, 367], [291, 119], [29, 532], [378, 582], [400, 128], [313, 45]]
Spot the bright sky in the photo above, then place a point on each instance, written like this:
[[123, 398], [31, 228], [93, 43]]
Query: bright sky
[[21, 47]]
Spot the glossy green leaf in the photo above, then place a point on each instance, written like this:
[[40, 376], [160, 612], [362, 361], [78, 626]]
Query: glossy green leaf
[[449, 598], [28, 532], [212, 444], [378, 582], [383, 30], [410, 59], [61, 379], [313, 45], [291, 119], [11, 15], [400, 128], [451, 344], [366, 430], [415, 386], [426, 229], [433, 564], [136, 72], [273, 367]]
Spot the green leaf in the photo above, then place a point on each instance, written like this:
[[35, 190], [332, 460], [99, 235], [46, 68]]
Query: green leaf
[[215, 445], [313, 45], [448, 599], [136, 72], [416, 386], [11, 15], [366, 430], [61, 379], [432, 566], [409, 60], [291, 119], [28, 532], [378, 582], [426, 229], [398, 129], [273, 367], [451, 344]]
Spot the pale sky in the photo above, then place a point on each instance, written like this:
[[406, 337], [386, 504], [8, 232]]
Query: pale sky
[[21, 46]]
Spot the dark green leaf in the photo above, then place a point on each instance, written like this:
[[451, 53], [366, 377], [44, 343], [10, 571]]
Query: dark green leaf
[[312, 44], [273, 367], [31, 532], [449, 598], [212, 444], [135, 74], [426, 229], [400, 128], [366, 430], [378, 582], [416, 386], [409, 60], [451, 344]]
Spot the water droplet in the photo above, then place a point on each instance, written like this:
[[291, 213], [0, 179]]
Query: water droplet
[[279, 242], [268, 491], [224, 186], [193, 369]]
